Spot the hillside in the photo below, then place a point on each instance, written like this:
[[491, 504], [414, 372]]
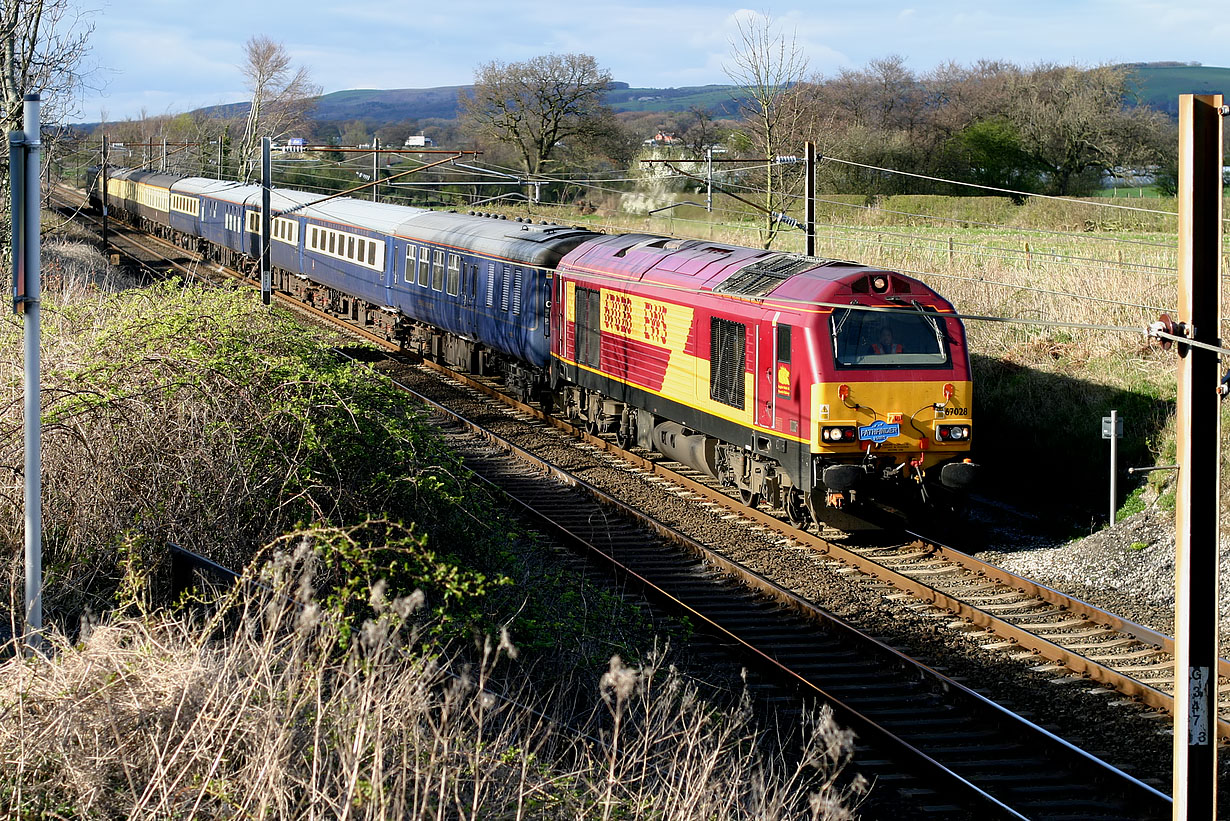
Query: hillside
[[393, 105], [1159, 86]]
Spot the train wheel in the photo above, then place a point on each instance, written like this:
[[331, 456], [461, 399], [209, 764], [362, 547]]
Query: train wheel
[[796, 508], [749, 498]]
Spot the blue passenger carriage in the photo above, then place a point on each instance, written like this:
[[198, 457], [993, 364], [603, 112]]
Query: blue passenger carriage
[[347, 246], [486, 279], [196, 207]]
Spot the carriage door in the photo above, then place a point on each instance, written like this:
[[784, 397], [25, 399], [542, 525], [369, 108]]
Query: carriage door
[[766, 373]]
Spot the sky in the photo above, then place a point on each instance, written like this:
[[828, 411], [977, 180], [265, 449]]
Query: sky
[[170, 56]]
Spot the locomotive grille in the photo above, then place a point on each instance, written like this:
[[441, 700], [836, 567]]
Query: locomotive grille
[[727, 360], [761, 277]]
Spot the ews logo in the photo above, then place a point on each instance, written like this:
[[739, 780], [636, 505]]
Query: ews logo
[[655, 323], [617, 313]]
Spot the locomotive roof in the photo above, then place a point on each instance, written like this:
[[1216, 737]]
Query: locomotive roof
[[700, 265]]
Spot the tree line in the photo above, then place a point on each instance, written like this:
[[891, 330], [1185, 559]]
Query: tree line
[[1047, 128]]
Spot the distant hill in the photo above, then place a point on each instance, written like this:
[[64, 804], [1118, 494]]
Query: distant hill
[[394, 105], [1159, 85]]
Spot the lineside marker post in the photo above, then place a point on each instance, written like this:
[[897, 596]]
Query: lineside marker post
[[1198, 446], [266, 182], [1112, 429], [24, 175]]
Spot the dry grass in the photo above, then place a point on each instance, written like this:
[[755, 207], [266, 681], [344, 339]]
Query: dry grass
[[280, 717]]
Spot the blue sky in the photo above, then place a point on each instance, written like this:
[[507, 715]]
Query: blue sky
[[168, 56]]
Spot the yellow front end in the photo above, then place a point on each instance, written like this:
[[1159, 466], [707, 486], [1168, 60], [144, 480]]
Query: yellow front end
[[904, 421]]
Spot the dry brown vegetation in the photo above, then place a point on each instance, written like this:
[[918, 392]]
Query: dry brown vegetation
[[266, 708]]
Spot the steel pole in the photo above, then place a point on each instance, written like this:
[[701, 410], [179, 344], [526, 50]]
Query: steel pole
[[266, 183], [30, 226], [102, 181]]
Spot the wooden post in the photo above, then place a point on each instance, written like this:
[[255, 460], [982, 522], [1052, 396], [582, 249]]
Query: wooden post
[[1198, 445]]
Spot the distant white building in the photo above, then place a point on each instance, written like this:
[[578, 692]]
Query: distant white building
[[418, 141]]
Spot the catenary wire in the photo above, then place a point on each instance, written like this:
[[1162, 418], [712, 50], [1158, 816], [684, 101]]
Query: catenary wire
[[1000, 190]]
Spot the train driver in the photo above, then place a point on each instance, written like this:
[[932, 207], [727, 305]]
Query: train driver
[[885, 344]]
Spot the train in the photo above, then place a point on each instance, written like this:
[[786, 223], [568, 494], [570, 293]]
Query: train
[[816, 386]]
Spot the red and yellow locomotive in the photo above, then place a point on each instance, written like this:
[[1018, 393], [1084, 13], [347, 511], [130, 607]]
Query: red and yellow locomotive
[[804, 382]]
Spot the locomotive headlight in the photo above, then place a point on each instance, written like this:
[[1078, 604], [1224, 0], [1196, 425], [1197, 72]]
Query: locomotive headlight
[[837, 434], [952, 433]]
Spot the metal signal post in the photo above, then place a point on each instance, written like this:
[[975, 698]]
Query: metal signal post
[[24, 174], [266, 182]]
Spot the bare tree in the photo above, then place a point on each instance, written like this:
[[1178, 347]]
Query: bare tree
[[770, 69], [43, 44], [282, 97], [536, 105], [1075, 126]]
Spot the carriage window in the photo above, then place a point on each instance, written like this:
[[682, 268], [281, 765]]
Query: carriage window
[[371, 253], [315, 237], [783, 344], [350, 247], [332, 242], [411, 261], [889, 339], [454, 274], [437, 271], [362, 249], [424, 267]]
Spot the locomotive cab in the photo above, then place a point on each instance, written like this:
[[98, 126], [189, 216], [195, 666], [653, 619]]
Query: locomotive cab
[[893, 401]]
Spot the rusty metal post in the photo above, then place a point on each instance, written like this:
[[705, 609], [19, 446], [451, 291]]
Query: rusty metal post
[[1199, 445]]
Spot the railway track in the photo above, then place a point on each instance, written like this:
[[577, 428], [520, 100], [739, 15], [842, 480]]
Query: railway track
[[972, 756], [982, 752]]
